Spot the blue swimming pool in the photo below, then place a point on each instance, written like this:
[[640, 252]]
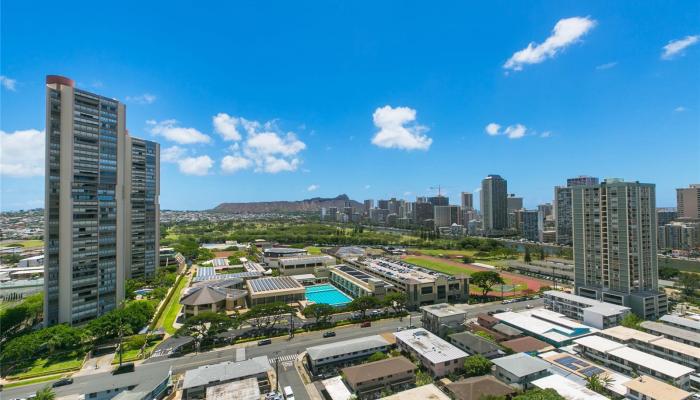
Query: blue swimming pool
[[327, 294]]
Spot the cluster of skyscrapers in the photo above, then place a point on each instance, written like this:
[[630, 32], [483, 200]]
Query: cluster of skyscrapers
[[101, 204]]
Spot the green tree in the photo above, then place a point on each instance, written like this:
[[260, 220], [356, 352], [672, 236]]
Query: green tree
[[423, 378], [690, 282], [204, 326], [188, 247], [527, 257], [396, 300], [598, 383], [539, 394], [321, 312], [485, 280], [485, 335], [467, 259], [477, 365], [378, 356], [264, 317], [46, 393], [543, 256], [631, 320], [362, 304], [668, 272], [22, 316]]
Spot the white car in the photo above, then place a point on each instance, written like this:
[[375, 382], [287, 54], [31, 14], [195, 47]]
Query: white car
[[288, 393]]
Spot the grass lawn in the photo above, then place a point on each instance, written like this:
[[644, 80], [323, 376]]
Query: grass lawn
[[133, 355], [439, 252], [23, 243], [313, 249], [32, 381], [45, 366], [450, 269], [683, 265], [172, 309], [4, 305]]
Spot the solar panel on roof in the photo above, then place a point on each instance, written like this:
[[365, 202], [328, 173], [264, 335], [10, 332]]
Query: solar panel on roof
[[590, 371]]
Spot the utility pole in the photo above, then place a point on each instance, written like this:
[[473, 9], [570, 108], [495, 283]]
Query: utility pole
[[277, 372], [291, 325]]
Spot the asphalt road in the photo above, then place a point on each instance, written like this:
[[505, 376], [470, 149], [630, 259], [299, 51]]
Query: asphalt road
[[280, 347]]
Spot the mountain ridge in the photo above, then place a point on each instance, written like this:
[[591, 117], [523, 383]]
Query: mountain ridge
[[306, 205]]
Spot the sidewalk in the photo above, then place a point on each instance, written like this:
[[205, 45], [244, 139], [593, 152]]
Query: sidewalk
[[96, 365]]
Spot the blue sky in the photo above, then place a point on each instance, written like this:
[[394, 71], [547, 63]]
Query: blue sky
[[290, 100]]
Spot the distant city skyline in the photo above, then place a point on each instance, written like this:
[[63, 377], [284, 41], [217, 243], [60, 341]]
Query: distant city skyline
[[371, 100]]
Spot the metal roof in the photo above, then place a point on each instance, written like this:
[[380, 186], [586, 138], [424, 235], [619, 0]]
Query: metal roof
[[430, 346], [225, 371], [346, 347], [521, 364], [273, 283]]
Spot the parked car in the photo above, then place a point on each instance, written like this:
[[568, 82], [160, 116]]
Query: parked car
[[399, 329], [264, 342], [530, 306], [328, 334], [365, 324], [288, 393], [62, 382]]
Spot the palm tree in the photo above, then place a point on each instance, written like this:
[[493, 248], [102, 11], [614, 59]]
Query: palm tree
[[46, 393], [599, 383]]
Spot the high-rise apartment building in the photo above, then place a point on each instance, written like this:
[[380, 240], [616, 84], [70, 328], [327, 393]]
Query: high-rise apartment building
[[688, 202], [383, 204], [439, 200], [562, 207], [423, 212], [514, 203], [467, 201], [369, 204], [526, 223], [101, 204], [665, 215], [494, 204], [446, 216], [615, 245]]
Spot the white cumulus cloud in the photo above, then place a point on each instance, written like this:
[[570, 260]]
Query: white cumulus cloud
[[145, 98], [398, 130], [493, 129], [172, 154], [199, 166], [605, 66], [8, 83], [680, 109], [22, 153], [566, 32], [266, 148], [312, 188], [225, 125], [515, 131], [676, 47], [171, 130], [231, 164]]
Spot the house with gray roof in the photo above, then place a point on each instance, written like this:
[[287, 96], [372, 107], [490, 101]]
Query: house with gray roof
[[337, 353], [520, 369], [475, 344], [196, 381]]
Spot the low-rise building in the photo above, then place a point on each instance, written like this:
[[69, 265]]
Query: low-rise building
[[591, 312], [214, 298], [283, 289], [475, 344], [31, 262], [672, 332], [648, 388], [627, 360], [668, 349], [579, 370], [196, 381], [566, 388], [245, 389], [339, 353], [304, 264], [424, 392], [368, 379], [272, 255], [358, 283], [520, 369], [526, 344], [477, 387], [681, 322], [546, 325], [443, 318], [437, 356], [421, 286]]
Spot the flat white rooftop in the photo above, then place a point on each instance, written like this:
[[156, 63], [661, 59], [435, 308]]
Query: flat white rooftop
[[425, 392], [547, 324], [429, 346], [566, 388]]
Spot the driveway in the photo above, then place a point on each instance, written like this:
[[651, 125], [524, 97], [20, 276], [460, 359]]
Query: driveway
[[96, 365]]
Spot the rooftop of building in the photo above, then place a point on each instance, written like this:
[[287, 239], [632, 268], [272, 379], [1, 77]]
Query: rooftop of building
[[624, 334], [569, 363], [474, 342], [669, 330], [225, 371], [245, 389], [284, 250], [525, 344], [443, 310], [425, 392], [686, 323], [430, 346], [403, 271], [373, 370], [634, 356], [656, 389], [336, 389], [273, 284], [567, 388], [599, 306], [346, 346], [521, 364], [549, 325], [476, 387], [303, 259]]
